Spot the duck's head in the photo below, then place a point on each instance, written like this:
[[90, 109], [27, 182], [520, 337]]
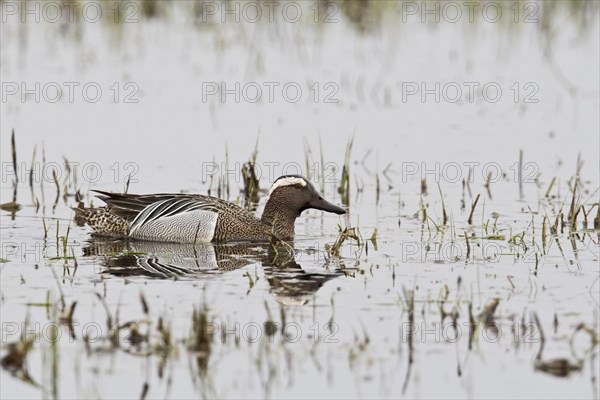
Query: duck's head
[[294, 194]]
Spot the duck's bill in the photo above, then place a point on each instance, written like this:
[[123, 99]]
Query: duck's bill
[[322, 204]]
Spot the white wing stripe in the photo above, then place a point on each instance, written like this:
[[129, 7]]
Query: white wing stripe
[[168, 208]]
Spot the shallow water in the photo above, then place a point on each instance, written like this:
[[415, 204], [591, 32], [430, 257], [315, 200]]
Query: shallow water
[[391, 317]]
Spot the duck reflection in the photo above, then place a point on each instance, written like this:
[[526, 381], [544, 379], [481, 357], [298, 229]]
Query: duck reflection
[[289, 283]]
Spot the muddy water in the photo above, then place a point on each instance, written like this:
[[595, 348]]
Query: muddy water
[[409, 314]]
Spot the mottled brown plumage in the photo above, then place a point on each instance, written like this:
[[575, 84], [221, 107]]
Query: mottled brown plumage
[[102, 221]]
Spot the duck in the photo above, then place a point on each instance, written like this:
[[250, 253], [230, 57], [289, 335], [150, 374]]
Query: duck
[[192, 218]]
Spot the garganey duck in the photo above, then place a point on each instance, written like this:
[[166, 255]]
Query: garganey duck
[[191, 218]]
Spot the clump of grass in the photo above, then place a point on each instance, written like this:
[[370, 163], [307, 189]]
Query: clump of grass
[[521, 195], [423, 210], [472, 326], [15, 360], [200, 339], [164, 347], [112, 324], [594, 338], [360, 345], [133, 335], [473, 205], [322, 174], [66, 180], [62, 246], [52, 354], [519, 240], [280, 251], [373, 239], [468, 182], [334, 250], [487, 315], [124, 191], [31, 171], [575, 208], [453, 314], [307, 159], [223, 187], [13, 147], [13, 206], [344, 188], [269, 324], [444, 213], [550, 187], [152, 9], [316, 174], [409, 296], [250, 282], [377, 189], [55, 179], [468, 246], [544, 234], [211, 177], [559, 366], [67, 318], [226, 179], [487, 185], [251, 185]]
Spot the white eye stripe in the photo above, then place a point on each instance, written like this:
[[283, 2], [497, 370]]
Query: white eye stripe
[[287, 181]]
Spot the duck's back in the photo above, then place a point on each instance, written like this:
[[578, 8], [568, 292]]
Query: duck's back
[[184, 218]]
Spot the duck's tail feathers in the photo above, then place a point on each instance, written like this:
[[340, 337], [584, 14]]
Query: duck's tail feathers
[[102, 221]]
